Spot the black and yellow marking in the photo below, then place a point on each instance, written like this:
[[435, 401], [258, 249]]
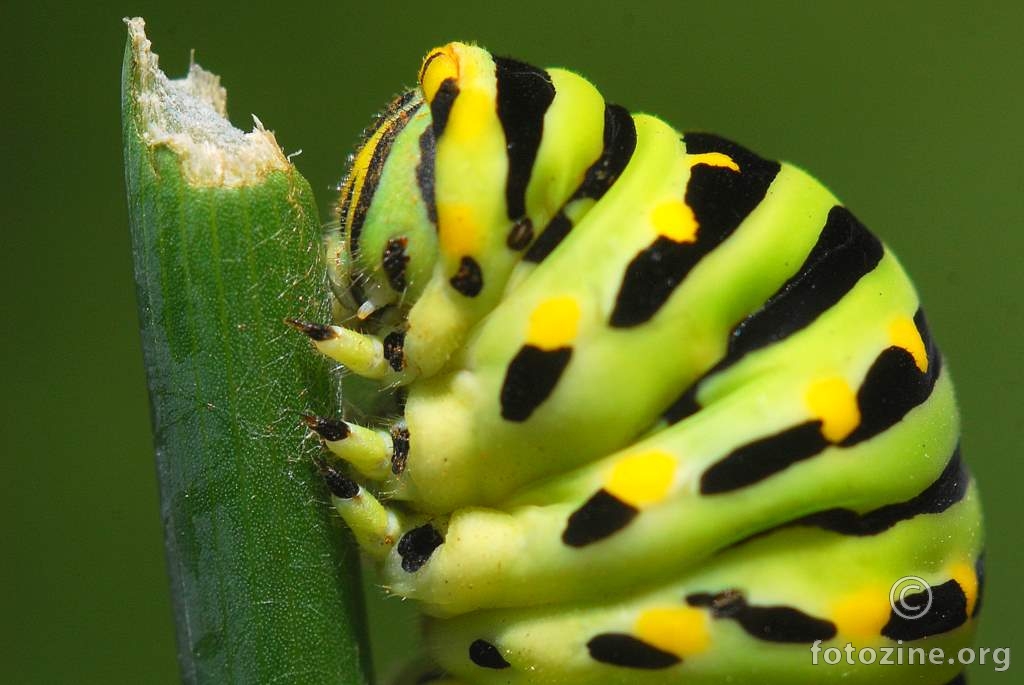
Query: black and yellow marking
[[520, 235], [943, 493], [524, 94], [947, 612], [894, 385], [948, 489], [635, 481], [399, 449], [764, 457], [553, 234], [844, 253], [720, 196], [486, 655], [619, 145], [441, 105], [425, 173], [651, 278], [536, 368], [394, 261], [626, 651], [781, 624], [469, 279], [428, 60], [899, 380], [359, 188], [394, 350], [530, 379], [417, 545], [600, 516]]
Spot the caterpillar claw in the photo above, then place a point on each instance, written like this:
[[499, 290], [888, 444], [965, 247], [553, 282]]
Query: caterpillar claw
[[370, 452], [375, 527], [315, 331], [341, 486], [366, 309], [361, 354], [331, 430]]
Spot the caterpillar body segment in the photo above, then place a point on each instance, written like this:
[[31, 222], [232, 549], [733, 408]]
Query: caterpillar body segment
[[639, 514], [666, 410], [746, 615]]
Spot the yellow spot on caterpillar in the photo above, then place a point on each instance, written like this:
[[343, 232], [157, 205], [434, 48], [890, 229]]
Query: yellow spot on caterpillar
[[459, 232], [554, 323], [967, 578], [643, 478], [833, 401], [862, 614], [903, 333], [680, 630], [471, 112], [438, 66], [675, 220], [714, 159]]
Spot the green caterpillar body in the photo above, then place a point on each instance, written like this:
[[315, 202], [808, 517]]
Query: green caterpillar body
[[669, 412]]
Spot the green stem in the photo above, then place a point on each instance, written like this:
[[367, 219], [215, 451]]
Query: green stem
[[226, 244]]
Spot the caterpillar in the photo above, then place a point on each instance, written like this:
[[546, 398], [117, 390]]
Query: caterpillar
[[666, 411]]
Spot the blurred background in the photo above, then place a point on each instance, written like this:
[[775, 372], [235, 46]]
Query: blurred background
[[911, 113]]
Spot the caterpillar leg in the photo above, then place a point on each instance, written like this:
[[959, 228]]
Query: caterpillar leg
[[376, 454], [375, 527], [364, 355], [380, 530]]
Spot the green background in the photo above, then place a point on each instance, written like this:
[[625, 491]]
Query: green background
[[911, 114]]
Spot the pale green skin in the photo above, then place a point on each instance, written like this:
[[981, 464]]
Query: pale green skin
[[800, 567], [501, 491]]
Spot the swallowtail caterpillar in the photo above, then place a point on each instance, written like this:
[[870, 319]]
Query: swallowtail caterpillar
[[668, 412]]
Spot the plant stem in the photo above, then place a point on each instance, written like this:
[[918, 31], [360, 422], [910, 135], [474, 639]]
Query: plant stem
[[226, 245]]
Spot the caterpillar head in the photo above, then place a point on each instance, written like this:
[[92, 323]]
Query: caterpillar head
[[438, 205], [387, 245], [387, 249]]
